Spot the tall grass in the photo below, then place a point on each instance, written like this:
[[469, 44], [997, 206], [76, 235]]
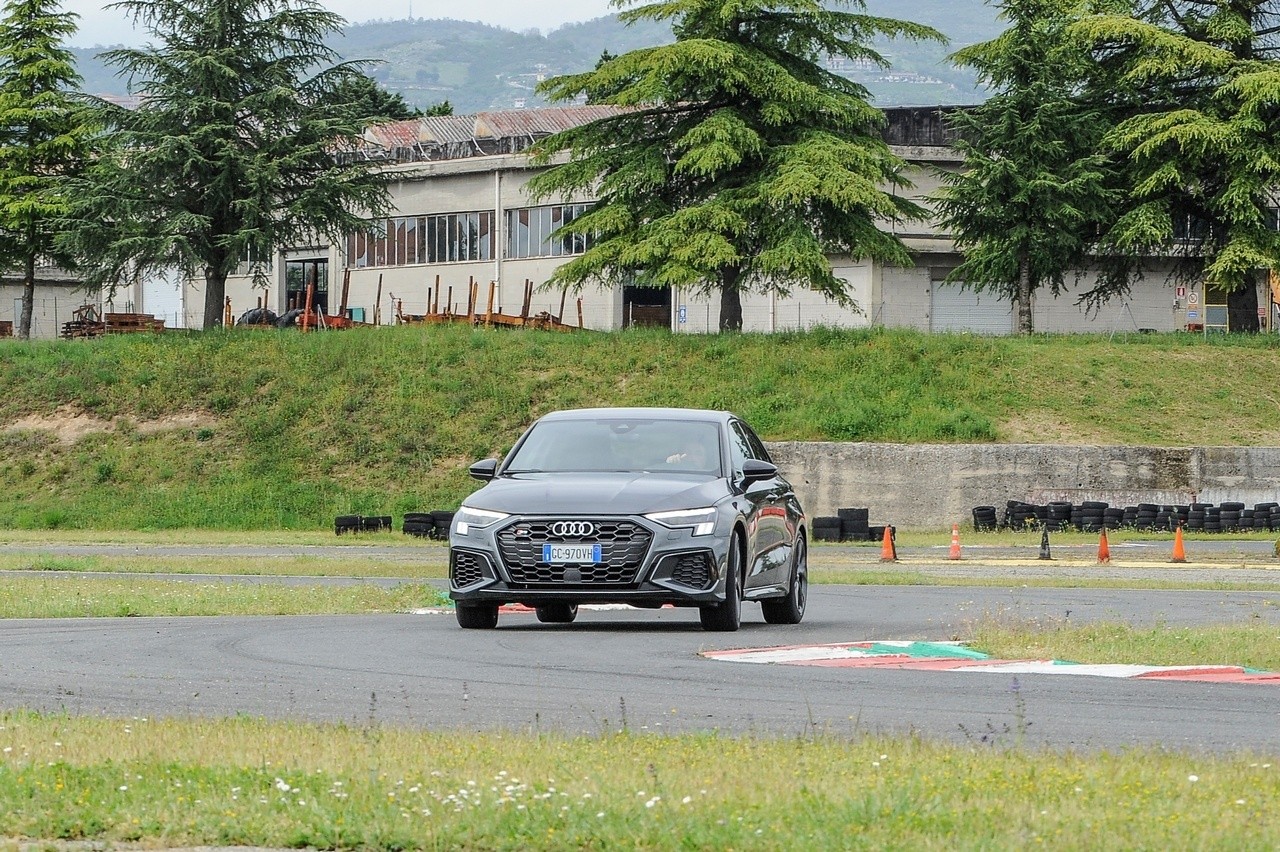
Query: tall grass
[[283, 431], [246, 782]]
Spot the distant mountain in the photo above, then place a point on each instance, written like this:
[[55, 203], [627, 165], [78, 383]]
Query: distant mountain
[[478, 67]]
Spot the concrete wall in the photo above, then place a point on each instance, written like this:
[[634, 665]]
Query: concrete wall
[[932, 486]]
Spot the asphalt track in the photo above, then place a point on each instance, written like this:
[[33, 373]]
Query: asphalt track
[[642, 670]]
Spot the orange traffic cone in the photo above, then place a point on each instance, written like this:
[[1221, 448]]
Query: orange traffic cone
[[955, 542], [888, 553], [1104, 550], [1179, 555]]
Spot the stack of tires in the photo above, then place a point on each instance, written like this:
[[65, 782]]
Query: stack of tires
[[825, 528], [1057, 516], [419, 524], [984, 519], [375, 523], [1090, 514], [344, 524], [1019, 515], [443, 519], [1229, 513], [854, 523]]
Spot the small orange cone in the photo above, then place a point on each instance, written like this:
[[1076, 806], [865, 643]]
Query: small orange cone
[[1179, 554], [1104, 550], [888, 553], [955, 542]]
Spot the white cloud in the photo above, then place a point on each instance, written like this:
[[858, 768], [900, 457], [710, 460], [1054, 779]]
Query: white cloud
[[100, 26]]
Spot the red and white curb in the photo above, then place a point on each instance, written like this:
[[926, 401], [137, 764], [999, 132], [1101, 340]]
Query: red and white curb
[[957, 657]]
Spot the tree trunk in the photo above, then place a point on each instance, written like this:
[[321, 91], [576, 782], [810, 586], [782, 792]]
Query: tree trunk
[[1024, 295], [28, 297], [215, 294], [730, 300], [1242, 307]]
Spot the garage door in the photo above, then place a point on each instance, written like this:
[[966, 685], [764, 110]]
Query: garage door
[[957, 309]]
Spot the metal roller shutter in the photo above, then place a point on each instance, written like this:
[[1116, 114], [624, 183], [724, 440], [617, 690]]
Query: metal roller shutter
[[955, 308]]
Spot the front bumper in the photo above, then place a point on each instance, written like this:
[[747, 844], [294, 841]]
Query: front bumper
[[645, 565]]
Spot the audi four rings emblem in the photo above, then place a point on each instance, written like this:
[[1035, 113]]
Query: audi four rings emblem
[[572, 529]]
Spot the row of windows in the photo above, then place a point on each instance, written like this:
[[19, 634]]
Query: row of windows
[[460, 237]]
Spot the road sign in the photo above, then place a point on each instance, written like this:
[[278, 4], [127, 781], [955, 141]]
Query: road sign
[[1193, 315], [1262, 312], [1180, 292], [1193, 298], [683, 313]]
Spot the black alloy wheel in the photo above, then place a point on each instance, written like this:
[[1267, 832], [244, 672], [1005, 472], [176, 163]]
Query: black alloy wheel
[[790, 610]]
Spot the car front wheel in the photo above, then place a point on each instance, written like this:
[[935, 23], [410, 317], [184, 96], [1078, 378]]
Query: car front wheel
[[727, 617], [477, 616], [557, 613]]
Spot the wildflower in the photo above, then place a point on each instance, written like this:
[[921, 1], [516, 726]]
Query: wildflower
[[686, 800], [282, 785], [1193, 778], [124, 787]]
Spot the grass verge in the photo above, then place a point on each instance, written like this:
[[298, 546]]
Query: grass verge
[[1253, 645], [89, 597], [247, 782]]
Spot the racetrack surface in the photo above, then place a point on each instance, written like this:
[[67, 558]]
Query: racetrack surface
[[642, 670]]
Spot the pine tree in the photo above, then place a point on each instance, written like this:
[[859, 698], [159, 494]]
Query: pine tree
[[736, 161], [42, 135], [1203, 137], [235, 150], [1033, 191]]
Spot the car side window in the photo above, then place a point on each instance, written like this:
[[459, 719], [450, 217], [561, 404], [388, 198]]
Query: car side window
[[757, 446], [739, 446]]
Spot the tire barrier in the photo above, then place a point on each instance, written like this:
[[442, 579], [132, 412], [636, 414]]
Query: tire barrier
[[423, 524], [847, 524], [1096, 516]]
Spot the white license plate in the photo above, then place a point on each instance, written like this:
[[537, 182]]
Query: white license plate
[[571, 554]]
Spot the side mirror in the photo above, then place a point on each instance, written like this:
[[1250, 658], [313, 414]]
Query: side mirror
[[483, 470], [754, 470]]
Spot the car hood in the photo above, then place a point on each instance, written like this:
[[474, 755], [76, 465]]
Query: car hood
[[597, 493]]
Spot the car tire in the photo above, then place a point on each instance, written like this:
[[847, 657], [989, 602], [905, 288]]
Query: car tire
[[477, 616], [790, 610], [557, 613], [726, 617]]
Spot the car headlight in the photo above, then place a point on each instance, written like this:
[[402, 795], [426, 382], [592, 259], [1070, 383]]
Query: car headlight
[[466, 518], [701, 521]]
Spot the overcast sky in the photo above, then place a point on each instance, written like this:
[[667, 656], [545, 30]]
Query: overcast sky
[[99, 26]]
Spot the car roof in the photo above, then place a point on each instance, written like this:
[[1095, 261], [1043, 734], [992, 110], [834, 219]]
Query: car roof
[[682, 414]]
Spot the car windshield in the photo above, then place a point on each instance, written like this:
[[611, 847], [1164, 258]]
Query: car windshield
[[608, 444]]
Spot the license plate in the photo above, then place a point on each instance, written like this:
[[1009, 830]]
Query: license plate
[[566, 554]]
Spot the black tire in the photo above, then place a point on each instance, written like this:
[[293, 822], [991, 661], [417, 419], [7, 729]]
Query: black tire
[[727, 617], [472, 616], [556, 613], [790, 610]]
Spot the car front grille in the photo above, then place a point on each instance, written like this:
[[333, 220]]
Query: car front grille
[[692, 570], [623, 545], [465, 569]]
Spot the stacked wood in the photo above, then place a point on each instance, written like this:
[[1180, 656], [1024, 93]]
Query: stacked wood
[[87, 322], [131, 323]]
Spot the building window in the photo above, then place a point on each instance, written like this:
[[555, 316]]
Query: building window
[[529, 231], [408, 240]]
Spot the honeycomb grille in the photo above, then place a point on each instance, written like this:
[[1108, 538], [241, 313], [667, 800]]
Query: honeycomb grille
[[693, 570], [623, 546], [464, 569]]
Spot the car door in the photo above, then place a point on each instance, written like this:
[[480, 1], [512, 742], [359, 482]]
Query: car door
[[769, 539]]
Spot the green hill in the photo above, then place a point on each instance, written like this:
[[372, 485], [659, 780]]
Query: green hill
[[479, 67], [278, 430]]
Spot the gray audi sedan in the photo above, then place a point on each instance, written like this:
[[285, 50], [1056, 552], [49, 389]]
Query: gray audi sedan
[[639, 506]]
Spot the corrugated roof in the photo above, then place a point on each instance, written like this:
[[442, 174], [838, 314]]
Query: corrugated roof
[[538, 122]]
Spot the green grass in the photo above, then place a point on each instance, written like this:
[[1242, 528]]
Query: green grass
[[91, 597], [247, 782], [1255, 644], [264, 430]]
